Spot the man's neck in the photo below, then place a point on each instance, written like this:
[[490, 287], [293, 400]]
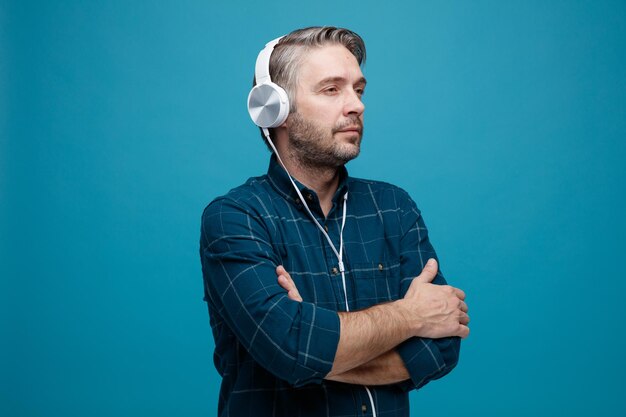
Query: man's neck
[[323, 180]]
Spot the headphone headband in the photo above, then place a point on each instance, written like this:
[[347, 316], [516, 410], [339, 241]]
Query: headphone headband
[[262, 67]]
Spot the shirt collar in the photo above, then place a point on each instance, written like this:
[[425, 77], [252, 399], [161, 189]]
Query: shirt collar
[[280, 180]]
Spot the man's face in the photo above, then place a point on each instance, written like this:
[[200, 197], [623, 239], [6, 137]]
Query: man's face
[[327, 127]]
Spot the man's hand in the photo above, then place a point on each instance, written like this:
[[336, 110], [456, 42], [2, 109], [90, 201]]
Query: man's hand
[[435, 311], [427, 310], [285, 281]]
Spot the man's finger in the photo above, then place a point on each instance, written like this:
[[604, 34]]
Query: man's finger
[[429, 272], [464, 319], [290, 287], [459, 293], [285, 281], [294, 295], [280, 270], [463, 332]]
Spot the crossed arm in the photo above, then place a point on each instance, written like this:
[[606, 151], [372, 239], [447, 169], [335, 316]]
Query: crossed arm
[[303, 343], [366, 352], [385, 369]]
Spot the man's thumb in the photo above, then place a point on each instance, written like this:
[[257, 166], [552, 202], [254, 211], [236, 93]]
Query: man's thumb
[[429, 272]]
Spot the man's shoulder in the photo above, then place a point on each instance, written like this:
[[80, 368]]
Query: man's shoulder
[[378, 190], [372, 184], [245, 196]]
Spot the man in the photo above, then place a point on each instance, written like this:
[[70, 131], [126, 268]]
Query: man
[[323, 290]]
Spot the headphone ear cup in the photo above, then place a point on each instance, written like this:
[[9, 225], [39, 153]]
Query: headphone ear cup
[[268, 105]]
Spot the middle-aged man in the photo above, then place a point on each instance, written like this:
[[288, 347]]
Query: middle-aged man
[[323, 290]]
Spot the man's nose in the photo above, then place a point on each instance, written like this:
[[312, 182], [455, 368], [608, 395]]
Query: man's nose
[[353, 104]]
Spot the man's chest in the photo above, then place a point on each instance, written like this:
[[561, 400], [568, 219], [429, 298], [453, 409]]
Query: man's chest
[[370, 252]]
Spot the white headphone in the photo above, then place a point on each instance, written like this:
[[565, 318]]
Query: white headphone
[[268, 103]]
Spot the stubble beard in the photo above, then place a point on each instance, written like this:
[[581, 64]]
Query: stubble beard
[[315, 147]]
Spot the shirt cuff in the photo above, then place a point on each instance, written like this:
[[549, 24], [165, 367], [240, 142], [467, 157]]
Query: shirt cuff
[[422, 359], [318, 345]]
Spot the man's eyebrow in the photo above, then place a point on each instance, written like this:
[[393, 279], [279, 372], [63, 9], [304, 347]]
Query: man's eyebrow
[[338, 79]]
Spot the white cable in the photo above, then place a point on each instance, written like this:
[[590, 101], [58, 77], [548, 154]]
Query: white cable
[[369, 394], [339, 254], [342, 269]]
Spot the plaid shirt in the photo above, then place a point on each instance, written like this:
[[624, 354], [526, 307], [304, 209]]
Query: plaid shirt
[[273, 353]]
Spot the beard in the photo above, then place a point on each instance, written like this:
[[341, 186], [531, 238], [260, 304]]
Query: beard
[[313, 145]]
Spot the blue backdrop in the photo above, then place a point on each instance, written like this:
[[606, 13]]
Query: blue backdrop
[[120, 121]]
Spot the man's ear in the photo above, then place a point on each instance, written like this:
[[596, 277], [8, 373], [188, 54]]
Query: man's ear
[[285, 123], [280, 131]]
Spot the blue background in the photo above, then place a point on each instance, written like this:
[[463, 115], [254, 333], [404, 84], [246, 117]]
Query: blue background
[[120, 121]]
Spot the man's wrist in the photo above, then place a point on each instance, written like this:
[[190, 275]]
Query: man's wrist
[[408, 323]]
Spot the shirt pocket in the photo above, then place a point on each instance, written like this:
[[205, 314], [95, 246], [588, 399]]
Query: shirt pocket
[[375, 283]]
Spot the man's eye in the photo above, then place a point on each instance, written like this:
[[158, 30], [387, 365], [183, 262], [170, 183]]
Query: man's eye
[[360, 91], [331, 90]]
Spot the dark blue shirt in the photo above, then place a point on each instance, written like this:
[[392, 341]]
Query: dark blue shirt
[[273, 353]]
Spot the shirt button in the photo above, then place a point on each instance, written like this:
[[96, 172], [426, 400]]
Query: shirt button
[[380, 267], [298, 201], [335, 271], [309, 197], [326, 227], [363, 408]]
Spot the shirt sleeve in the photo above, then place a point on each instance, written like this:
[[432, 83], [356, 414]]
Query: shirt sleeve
[[295, 341], [425, 359]]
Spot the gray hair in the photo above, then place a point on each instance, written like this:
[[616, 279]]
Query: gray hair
[[290, 50]]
